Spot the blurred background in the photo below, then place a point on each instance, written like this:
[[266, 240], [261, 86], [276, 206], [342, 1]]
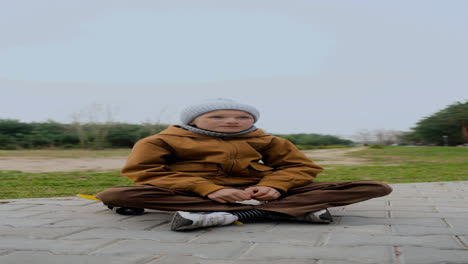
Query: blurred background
[[366, 71]]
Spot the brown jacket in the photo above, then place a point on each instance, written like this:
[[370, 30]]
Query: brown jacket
[[181, 160]]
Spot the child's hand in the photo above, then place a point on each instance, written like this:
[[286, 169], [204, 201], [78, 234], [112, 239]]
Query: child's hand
[[263, 193], [229, 195]]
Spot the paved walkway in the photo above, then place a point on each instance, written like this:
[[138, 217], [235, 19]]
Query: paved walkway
[[417, 223]]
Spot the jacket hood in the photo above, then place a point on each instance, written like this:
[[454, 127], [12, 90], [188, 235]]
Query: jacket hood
[[177, 131]]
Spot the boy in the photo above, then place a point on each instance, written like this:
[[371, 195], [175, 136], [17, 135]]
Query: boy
[[217, 167]]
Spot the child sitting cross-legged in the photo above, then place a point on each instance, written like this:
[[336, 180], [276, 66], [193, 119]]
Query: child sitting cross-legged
[[216, 167]]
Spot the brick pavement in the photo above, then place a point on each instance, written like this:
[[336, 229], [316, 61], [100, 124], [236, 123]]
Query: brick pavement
[[418, 223]]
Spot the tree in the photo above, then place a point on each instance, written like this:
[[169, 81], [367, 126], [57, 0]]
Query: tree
[[303, 139], [12, 127], [450, 122], [123, 135], [378, 136], [364, 137], [93, 133]]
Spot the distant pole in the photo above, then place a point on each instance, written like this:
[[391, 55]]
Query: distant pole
[[445, 140]]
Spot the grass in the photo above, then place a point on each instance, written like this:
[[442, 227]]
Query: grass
[[403, 155], [16, 184], [390, 165], [404, 165], [310, 147], [398, 173]]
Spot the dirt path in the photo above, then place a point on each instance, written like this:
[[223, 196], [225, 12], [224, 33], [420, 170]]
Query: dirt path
[[39, 164], [335, 156]]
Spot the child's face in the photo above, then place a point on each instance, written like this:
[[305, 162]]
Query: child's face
[[227, 121]]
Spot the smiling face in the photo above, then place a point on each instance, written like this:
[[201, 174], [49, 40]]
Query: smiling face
[[225, 121]]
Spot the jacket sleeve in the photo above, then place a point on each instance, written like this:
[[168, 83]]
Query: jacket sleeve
[[147, 164], [291, 167]]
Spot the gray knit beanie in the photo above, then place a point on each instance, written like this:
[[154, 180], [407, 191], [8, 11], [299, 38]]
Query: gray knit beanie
[[192, 111]]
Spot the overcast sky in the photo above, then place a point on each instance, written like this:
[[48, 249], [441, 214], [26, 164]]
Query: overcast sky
[[330, 67]]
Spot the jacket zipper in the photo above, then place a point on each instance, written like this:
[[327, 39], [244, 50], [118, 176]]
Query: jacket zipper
[[232, 155], [232, 167]]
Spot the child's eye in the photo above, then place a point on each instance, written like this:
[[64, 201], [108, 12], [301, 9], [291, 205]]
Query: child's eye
[[216, 117], [244, 117]]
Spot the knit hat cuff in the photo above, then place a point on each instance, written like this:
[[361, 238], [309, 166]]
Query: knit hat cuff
[[191, 112]]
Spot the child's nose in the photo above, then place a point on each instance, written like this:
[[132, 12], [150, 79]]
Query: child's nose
[[231, 120]]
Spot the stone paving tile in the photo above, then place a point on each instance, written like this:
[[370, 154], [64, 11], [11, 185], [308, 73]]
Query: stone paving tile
[[55, 246], [108, 216], [115, 233], [164, 227], [48, 258], [412, 198], [408, 230], [361, 207], [376, 201], [4, 252], [364, 254], [428, 241], [20, 214], [408, 202], [420, 255], [332, 261], [424, 209], [464, 239], [334, 210], [287, 237], [105, 215], [461, 198], [373, 202], [361, 229], [25, 222], [38, 232], [441, 198], [378, 214], [443, 192], [149, 217], [132, 223], [220, 250], [440, 189], [195, 260], [396, 214], [60, 208], [403, 190], [351, 220], [384, 198], [247, 227], [9, 206], [428, 223], [452, 204], [448, 209], [457, 222]]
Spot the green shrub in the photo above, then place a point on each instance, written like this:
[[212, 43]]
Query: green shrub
[[7, 140], [303, 139], [9, 147], [70, 146], [376, 146]]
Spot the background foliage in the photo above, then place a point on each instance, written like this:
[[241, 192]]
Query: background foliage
[[18, 135], [451, 122], [308, 141]]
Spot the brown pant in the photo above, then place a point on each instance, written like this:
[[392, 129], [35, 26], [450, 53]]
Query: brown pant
[[296, 202]]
